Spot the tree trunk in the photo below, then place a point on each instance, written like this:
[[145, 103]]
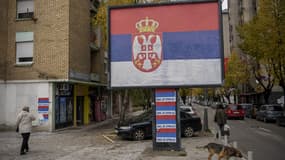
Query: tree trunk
[[283, 87], [228, 98], [266, 95], [183, 99], [123, 107], [235, 99]]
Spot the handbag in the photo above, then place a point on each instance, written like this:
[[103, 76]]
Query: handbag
[[226, 130]]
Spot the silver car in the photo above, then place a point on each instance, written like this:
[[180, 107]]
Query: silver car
[[269, 112], [188, 109]]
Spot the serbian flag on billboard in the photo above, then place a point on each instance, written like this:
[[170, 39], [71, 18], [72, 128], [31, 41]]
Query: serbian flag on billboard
[[166, 45]]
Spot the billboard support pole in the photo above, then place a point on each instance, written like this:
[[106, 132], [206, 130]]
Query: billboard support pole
[[166, 120]]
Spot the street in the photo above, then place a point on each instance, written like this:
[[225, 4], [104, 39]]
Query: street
[[71, 144], [266, 140], [90, 143]]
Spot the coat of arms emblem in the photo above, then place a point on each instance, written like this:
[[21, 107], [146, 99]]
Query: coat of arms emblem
[[147, 46]]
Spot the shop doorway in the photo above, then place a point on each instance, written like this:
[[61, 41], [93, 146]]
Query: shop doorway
[[63, 111], [79, 109]]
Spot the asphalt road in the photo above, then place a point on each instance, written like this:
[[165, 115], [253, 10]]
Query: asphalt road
[[265, 140]]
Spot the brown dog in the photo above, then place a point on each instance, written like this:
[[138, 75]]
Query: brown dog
[[222, 151]]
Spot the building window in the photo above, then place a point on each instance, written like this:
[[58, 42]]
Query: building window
[[25, 9], [24, 47]]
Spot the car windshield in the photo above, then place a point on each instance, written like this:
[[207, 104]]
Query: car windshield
[[245, 106], [235, 107], [186, 108], [144, 116], [275, 108]]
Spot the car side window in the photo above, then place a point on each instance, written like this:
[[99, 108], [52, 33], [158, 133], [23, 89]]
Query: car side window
[[263, 108], [148, 117], [182, 115], [239, 107], [185, 115]]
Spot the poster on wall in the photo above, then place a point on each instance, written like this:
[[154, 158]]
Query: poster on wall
[[43, 108], [175, 44]]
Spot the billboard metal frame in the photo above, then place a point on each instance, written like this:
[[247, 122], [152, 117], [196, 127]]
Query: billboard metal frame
[[167, 4]]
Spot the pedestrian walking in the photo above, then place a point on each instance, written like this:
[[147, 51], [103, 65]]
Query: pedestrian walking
[[220, 118], [24, 127]]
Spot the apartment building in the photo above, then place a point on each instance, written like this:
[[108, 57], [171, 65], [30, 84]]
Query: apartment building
[[51, 61], [226, 36], [240, 12]]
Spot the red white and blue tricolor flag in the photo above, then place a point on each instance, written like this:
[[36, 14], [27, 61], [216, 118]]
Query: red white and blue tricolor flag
[[166, 45], [43, 105], [165, 115]]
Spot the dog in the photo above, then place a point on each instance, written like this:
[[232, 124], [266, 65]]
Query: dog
[[222, 151]]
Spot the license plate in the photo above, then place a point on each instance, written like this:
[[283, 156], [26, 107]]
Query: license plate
[[236, 112]]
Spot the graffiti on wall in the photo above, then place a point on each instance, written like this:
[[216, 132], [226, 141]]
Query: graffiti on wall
[[43, 105]]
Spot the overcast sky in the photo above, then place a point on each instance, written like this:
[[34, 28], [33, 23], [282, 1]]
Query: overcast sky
[[225, 4]]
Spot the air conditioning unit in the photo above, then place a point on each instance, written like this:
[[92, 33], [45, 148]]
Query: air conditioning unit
[[95, 77]]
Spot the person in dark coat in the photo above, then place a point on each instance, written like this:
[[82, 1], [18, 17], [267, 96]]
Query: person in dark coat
[[24, 127], [220, 117]]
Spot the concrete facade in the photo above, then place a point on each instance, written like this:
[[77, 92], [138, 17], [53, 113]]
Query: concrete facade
[[240, 11], [226, 33], [18, 95]]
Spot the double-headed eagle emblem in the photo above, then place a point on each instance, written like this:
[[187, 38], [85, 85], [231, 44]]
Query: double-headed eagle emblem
[[147, 46]]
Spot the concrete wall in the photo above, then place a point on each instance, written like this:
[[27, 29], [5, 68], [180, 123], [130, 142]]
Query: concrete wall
[[249, 10], [50, 41], [226, 35], [15, 96], [234, 7], [98, 65], [240, 11]]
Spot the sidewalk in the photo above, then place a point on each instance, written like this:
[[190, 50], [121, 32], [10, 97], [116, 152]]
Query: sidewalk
[[88, 143]]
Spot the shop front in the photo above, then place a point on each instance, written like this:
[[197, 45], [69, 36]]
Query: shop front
[[79, 104], [63, 105]]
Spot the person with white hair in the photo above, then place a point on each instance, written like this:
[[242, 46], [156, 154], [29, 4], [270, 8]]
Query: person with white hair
[[24, 127]]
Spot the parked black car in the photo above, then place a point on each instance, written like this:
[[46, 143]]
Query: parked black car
[[269, 112], [140, 127], [280, 121]]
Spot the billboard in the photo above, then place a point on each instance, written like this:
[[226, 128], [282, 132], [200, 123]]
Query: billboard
[[166, 45]]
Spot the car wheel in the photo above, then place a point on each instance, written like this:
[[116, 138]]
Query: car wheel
[[257, 118], [138, 135], [278, 122], [188, 132]]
